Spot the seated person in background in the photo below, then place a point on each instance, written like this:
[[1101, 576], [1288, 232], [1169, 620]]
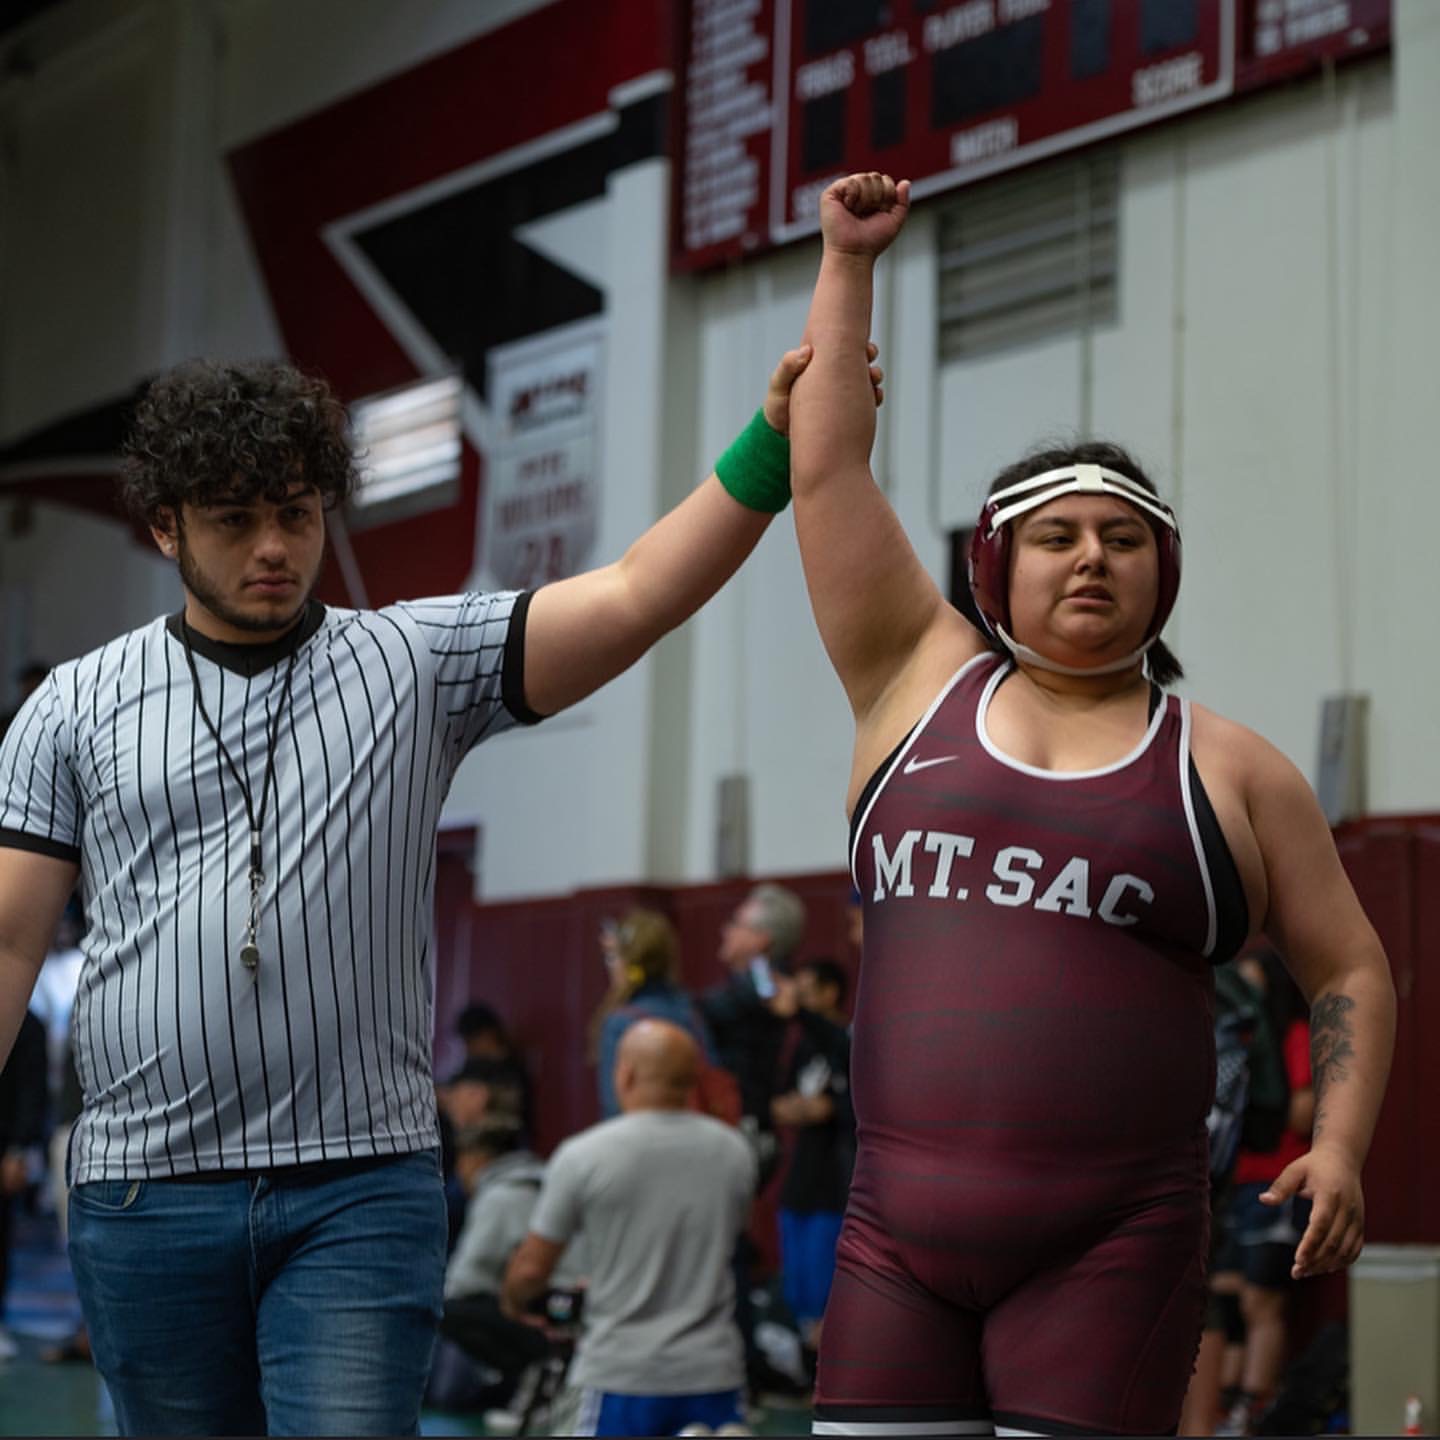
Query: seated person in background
[[479, 1090], [816, 1101], [660, 1194], [483, 1033], [502, 1181], [641, 953]]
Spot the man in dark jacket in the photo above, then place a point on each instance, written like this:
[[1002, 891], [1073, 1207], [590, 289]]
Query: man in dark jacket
[[746, 1013]]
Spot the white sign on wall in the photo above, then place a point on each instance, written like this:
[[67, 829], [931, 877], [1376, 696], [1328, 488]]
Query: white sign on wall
[[542, 463]]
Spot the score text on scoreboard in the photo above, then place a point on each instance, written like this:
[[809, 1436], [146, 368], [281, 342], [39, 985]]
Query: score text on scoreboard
[[781, 97]]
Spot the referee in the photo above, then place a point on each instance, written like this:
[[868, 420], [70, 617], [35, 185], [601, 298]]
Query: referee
[[248, 792]]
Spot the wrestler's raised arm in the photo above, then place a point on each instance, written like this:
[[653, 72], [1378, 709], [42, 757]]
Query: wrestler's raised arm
[[879, 612]]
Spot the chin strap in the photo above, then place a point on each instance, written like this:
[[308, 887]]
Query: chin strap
[[1043, 662]]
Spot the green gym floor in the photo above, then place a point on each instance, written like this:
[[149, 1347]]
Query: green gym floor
[[41, 1399]]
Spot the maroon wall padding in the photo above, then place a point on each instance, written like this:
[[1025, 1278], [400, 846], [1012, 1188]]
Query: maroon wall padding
[[538, 963], [1422, 1000], [1394, 865], [454, 922], [1380, 862]]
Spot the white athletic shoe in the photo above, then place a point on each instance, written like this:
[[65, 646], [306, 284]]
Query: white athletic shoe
[[1237, 1422], [8, 1348]]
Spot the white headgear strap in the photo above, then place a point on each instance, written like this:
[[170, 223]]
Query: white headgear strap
[[1071, 480], [1044, 662]]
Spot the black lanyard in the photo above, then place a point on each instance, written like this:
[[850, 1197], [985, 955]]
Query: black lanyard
[[249, 951]]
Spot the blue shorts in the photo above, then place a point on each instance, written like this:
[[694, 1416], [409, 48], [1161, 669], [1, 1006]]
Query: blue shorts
[[603, 1412], [807, 1258]]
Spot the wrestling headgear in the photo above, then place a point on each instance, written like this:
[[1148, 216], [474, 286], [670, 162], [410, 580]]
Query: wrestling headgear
[[990, 552]]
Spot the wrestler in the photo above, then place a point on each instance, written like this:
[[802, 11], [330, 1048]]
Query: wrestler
[[1052, 852]]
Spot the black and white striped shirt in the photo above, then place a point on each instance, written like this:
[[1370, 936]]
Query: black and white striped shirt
[[191, 1062]]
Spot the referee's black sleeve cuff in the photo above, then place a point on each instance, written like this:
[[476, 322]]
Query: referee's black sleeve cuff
[[512, 666], [39, 845]]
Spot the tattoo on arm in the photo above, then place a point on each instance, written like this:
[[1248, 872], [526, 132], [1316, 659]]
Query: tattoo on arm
[[1331, 1032]]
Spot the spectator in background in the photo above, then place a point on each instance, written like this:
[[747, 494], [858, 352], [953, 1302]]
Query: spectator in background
[[486, 1039], [53, 1003], [483, 1033], [1259, 1253], [502, 1181], [477, 1090], [22, 1133], [748, 1015], [490, 1059], [816, 1101], [660, 1194], [1251, 1095], [642, 955]]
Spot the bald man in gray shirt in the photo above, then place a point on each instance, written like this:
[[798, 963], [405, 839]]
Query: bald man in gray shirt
[[660, 1192]]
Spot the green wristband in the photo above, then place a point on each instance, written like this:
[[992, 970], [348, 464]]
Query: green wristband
[[756, 467]]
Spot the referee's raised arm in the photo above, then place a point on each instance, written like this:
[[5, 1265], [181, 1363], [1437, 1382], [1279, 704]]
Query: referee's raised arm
[[586, 630]]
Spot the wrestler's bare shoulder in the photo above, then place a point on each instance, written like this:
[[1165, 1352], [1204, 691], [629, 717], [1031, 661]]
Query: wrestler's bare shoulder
[[1234, 756], [950, 642]]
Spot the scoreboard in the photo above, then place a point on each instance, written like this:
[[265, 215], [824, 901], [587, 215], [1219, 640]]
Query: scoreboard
[[780, 97]]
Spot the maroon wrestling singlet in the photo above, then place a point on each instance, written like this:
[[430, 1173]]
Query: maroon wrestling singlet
[[1033, 1062]]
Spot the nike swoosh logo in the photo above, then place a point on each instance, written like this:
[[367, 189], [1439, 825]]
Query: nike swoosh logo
[[912, 764]]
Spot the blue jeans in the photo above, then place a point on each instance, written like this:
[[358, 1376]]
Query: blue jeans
[[295, 1303]]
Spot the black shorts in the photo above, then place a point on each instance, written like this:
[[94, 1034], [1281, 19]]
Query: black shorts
[[1259, 1240]]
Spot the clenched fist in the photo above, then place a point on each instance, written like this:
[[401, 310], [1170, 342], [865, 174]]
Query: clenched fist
[[862, 214]]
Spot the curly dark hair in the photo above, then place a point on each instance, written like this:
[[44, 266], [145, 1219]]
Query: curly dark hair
[[1165, 667], [205, 432]]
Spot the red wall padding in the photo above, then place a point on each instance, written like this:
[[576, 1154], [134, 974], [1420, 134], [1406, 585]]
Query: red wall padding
[[538, 963], [1395, 868], [1421, 1005]]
